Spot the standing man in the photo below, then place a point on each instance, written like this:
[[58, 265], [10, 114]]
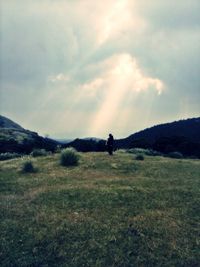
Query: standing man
[[110, 144]]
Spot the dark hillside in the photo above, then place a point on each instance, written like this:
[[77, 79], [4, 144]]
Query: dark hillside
[[14, 138], [183, 136], [7, 123]]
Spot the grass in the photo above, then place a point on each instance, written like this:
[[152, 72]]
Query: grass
[[107, 211]]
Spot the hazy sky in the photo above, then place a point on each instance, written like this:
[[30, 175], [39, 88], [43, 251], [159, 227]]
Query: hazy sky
[[77, 68]]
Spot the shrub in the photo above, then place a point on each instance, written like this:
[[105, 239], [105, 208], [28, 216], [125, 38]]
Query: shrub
[[28, 166], [8, 155], [139, 157], [148, 152], [151, 152], [69, 157], [39, 152], [175, 155], [136, 150]]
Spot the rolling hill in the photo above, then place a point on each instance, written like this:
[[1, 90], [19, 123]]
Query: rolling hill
[[182, 136], [14, 138], [189, 129]]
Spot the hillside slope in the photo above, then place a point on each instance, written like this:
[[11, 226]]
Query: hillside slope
[[9, 124], [183, 136], [14, 138]]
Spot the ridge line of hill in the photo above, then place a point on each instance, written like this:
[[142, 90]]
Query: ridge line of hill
[[182, 136]]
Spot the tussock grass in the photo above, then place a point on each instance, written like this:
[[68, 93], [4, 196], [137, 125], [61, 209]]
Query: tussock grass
[[105, 212], [8, 155], [39, 153], [175, 155], [139, 157], [27, 167], [69, 157]]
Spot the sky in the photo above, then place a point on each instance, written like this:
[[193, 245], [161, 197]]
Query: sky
[[79, 68]]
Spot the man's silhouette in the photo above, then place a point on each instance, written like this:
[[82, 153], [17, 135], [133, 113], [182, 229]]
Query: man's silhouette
[[110, 144]]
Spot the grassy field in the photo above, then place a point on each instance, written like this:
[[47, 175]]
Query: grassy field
[[107, 211]]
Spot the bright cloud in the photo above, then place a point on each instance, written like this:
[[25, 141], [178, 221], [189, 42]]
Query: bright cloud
[[122, 72], [121, 78]]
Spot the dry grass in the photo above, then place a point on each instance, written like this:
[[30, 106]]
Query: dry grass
[[107, 211]]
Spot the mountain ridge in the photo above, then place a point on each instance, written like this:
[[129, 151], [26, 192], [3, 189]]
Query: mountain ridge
[[182, 136], [189, 128]]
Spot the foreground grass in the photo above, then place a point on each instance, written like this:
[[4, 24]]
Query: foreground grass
[[108, 211]]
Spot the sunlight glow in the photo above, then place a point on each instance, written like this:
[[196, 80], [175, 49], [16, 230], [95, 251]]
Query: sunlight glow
[[123, 78]]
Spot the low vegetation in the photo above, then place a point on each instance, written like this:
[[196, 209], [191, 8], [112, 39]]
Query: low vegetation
[[139, 157], [39, 152], [104, 212], [175, 155], [143, 151], [27, 166], [8, 155], [69, 157]]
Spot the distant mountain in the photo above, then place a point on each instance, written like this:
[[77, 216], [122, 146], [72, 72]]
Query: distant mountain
[[92, 138], [63, 141], [182, 136], [14, 138], [87, 144], [71, 141]]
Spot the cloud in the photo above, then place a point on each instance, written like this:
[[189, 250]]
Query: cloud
[[123, 64], [37, 39], [171, 15], [119, 20], [122, 72], [59, 78], [121, 77]]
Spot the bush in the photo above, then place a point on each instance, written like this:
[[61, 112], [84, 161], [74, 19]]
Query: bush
[[151, 152], [39, 152], [175, 155], [28, 167], [135, 150], [69, 157], [148, 152], [8, 155], [139, 157]]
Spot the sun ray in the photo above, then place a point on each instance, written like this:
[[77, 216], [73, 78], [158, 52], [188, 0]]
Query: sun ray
[[123, 79]]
